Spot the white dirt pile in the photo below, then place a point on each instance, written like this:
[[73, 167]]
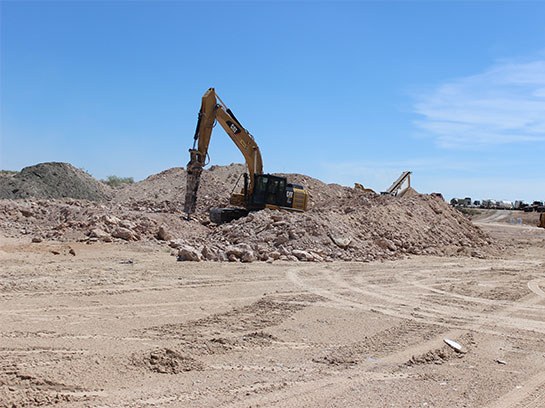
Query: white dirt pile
[[342, 223]]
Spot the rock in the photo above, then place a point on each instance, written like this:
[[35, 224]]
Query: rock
[[277, 217], [248, 256], [341, 242], [206, 253], [176, 244], [242, 252], [316, 257], [72, 252], [125, 234], [36, 240], [275, 255], [281, 239], [127, 224], [302, 255], [188, 253], [110, 220], [26, 212], [385, 244], [100, 234], [163, 234]]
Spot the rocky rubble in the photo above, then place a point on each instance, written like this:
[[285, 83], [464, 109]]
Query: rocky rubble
[[80, 220], [384, 228], [342, 223]]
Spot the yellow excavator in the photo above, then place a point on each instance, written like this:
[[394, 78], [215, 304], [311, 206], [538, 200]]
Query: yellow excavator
[[259, 190]]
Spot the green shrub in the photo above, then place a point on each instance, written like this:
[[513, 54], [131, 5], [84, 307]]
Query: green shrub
[[116, 181]]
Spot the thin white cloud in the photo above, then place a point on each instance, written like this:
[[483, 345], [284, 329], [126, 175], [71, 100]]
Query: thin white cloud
[[378, 175], [503, 105]]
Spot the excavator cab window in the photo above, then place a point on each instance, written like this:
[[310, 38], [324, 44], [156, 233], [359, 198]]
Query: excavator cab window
[[268, 190], [260, 191], [275, 191], [262, 184]]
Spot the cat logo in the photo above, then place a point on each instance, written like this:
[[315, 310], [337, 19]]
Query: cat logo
[[233, 127]]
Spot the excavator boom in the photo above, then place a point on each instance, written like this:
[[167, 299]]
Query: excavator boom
[[213, 109]]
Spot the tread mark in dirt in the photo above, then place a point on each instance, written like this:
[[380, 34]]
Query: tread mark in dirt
[[398, 303], [264, 313], [533, 285], [532, 394]]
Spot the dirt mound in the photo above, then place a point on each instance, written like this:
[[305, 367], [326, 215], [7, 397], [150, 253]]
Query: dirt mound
[[408, 192], [53, 180], [166, 190], [342, 223], [168, 361]]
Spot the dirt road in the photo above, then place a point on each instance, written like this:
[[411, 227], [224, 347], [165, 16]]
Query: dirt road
[[127, 326]]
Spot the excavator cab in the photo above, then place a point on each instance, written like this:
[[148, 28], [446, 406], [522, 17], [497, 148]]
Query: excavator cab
[[275, 192], [268, 189]]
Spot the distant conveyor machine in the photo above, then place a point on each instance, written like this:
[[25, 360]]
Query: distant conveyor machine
[[395, 188]]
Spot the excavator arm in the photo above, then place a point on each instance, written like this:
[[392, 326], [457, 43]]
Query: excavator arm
[[213, 109]]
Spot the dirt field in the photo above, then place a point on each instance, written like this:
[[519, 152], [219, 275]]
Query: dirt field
[[125, 325]]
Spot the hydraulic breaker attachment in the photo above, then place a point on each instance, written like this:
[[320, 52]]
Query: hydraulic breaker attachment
[[194, 170]]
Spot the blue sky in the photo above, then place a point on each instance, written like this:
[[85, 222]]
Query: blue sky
[[341, 91]]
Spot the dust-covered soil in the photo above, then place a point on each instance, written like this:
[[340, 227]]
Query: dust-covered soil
[[122, 324]]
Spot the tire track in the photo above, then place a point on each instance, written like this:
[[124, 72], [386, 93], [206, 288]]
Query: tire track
[[414, 306], [533, 285], [531, 395]]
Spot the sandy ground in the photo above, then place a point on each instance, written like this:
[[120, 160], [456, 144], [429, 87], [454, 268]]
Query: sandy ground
[[125, 325]]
